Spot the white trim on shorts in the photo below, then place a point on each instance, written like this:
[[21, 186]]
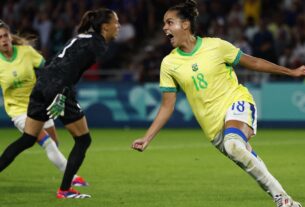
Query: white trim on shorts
[[19, 122], [243, 111]]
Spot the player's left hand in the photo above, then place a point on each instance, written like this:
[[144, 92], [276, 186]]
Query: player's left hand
[[300, 71]]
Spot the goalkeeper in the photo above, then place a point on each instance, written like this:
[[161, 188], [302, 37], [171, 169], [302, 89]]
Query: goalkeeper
[[54, 95]]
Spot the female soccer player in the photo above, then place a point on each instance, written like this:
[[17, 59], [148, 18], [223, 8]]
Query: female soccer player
[[54, 90], [18, 60], [203, 69]]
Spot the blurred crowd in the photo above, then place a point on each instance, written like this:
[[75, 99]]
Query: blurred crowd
[[270, 29]]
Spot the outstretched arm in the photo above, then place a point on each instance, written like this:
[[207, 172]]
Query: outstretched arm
[[262, 65], [165, 112]]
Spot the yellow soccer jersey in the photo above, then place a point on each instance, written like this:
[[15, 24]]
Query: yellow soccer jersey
[[17, 78], [207, 77]]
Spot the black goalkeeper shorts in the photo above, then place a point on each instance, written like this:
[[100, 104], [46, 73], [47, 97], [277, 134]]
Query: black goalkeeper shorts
[[42, 96]]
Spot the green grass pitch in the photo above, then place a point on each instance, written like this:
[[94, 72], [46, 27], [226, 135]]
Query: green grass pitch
[[179, 169]]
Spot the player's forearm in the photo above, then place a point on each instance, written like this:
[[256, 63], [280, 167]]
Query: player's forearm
[[261, 65], [161, 119], [269, 67]]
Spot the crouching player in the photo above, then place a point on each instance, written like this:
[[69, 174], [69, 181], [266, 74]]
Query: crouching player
[[54, 94]]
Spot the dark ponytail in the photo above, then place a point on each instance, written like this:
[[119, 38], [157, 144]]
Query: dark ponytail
[[187, 11], [93, 19]]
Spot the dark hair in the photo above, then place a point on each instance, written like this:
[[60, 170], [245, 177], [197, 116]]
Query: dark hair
[[187, 11], [16, 39], [93, 19]]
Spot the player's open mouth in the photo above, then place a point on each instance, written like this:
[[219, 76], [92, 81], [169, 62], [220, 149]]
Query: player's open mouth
[[170, 36]]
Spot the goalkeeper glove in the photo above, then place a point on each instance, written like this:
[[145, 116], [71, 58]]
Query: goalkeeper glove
[[57, 107]]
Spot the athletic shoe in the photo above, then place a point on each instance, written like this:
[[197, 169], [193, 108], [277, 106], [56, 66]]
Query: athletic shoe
[[71, 193], [285, 201], [79, 181]]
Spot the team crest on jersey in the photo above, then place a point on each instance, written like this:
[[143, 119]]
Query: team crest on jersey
[[195, 67], [14, 73]]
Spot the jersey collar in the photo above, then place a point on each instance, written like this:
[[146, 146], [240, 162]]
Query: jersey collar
[[98, 36], [13, 57], [197, 46]]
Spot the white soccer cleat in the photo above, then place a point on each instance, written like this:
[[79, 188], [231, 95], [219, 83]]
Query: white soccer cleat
[[285, 201]]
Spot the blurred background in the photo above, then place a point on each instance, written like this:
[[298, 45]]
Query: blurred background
[[122, 91]]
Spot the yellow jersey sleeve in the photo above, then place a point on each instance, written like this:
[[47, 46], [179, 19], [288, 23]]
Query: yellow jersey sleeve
[[37, 59], [167, 81], [229, 52]]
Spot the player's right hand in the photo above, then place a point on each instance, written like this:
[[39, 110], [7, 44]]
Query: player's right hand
[[140, 144], [57, 107]]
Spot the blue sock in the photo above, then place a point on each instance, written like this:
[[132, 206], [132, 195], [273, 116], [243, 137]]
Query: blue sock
[[41, 142]]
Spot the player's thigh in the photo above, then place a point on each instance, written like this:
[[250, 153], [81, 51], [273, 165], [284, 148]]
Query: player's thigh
[[242, 115], [33, 127], [74, 118], [78, 128]]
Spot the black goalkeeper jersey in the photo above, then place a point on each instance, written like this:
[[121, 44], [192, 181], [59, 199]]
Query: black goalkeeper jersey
[[77, 56], [64, 71]]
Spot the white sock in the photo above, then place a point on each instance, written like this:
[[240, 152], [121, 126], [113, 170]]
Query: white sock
[[236, 149], [278, 189], [53, 153]]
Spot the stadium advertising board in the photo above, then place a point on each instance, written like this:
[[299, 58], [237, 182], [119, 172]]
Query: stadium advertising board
[[136, 105], [283, 101]]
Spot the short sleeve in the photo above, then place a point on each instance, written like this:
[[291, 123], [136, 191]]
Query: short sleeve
[[37, 59], [229, 52], [167, 82]]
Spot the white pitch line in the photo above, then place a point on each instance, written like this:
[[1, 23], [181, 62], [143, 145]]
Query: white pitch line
[[177, 147]]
